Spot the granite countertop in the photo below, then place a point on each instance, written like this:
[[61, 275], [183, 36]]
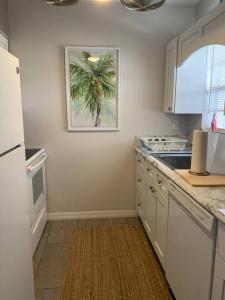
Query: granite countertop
[[211, 198]]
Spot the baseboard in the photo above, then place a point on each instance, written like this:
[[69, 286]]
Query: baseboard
[[92, 214]]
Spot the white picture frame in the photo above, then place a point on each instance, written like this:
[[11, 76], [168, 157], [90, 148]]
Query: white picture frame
[[74, 120]]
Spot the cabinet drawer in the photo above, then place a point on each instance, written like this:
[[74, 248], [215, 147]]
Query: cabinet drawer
[[139, 179], [150, 171], [220, 246], [140, 163], [161, 182]]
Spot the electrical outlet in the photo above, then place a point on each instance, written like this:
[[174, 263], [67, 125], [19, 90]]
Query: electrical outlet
[[175, 124]]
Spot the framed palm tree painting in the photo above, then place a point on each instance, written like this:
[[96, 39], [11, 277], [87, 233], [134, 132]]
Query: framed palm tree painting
[[92, 88]]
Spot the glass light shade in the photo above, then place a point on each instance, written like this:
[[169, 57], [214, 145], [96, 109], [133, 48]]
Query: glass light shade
[[142, 5], [61, 2]]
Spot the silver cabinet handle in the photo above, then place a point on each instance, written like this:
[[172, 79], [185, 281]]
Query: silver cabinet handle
[[159, 182]]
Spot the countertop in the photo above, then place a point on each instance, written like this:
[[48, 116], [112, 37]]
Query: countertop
[[211, 198]]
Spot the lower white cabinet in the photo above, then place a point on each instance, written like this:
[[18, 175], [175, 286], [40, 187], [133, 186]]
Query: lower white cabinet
[[218, 292], [140, 185], [140, 195], [219, 279], [153, 210], [161, 217], [150, 214], [152, 206]]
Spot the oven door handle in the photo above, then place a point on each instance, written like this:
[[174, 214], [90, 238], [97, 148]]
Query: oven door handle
[[35, 166]]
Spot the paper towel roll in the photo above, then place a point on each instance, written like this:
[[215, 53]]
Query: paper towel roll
[[199, 152]]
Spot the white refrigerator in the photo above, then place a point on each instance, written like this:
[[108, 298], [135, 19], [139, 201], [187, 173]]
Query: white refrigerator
[[16, 274]]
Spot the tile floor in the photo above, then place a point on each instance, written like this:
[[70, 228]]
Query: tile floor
[[50, 258]]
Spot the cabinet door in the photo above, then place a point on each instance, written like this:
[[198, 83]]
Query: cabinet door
[[150, 215], [218, 292], [161, 226], [140, 185], [189, 42], [220, 243], [170, 80], [191, 83], [140, 195], [140, 163]]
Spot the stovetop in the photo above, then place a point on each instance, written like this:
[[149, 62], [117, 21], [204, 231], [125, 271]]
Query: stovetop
[[175, 161], [31, 152]]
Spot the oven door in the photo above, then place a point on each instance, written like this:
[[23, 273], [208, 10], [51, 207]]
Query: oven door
[[36, 186]]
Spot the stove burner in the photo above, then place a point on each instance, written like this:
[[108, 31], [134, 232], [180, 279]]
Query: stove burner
[[31, 152]]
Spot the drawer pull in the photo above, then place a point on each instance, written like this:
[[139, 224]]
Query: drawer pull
[[139, 180], [139, 160], [159, 182], [139, 204], [152, 188]]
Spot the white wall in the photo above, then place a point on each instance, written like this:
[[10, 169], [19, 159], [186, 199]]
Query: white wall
[[205, 6], [92, 171], [4, 21]]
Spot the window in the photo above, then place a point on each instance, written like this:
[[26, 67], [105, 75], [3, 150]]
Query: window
[[215, 86]]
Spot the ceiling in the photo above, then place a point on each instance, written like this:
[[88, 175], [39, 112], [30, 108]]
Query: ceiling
[[183, 2]]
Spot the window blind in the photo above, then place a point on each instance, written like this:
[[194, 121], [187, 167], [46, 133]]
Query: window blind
[[216, 84]]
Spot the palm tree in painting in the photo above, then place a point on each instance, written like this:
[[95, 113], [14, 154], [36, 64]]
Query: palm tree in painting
[[93, 79]]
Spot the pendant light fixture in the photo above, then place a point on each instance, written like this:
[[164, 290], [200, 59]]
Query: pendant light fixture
[[61, 2], [142, 5]]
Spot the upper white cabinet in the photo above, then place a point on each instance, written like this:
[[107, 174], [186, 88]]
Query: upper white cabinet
[[207, 31], [188, 43], [213, 27], [185, 84], [185, 72], [171, 73]]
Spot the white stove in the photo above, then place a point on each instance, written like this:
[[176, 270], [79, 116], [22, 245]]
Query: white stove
[[32, 154], [36, 178]]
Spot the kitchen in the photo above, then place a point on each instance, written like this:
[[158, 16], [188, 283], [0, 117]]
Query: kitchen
[[90, 176]]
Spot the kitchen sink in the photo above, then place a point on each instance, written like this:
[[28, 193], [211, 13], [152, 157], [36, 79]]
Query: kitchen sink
[[175, 161]]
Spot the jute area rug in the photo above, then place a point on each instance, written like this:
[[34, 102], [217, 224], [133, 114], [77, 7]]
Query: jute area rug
[[113, 263]]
